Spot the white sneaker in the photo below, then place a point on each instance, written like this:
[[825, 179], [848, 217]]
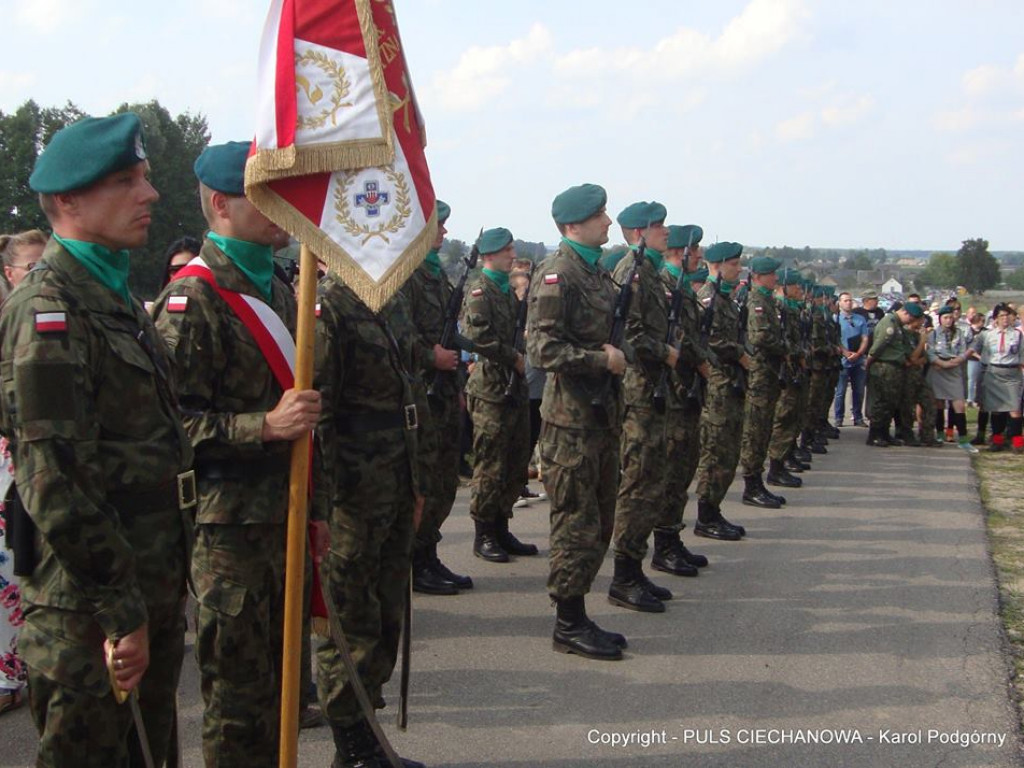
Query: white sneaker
[[966, 445], [521, 503]]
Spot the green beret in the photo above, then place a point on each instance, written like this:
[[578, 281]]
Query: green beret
[[578, 204], [722, 251], [493, 240], [914, 309], [946, 310], [642, 215], [611, 259], [84, 152], [764, 265], [790, 277], [443, 211], [684, 236], [699, 275], [221, 167]]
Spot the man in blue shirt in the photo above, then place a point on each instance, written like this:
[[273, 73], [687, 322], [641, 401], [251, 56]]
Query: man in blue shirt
[[854, 334]]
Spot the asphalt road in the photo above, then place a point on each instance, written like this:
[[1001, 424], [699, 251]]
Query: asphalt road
[[856, 627]]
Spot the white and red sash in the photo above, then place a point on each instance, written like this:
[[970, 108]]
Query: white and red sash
[[267, 329]]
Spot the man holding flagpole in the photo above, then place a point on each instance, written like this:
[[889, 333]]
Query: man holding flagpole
[[228, 322]]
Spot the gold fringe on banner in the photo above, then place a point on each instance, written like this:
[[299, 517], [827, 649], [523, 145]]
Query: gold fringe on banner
[[318, 158], [381, 94]]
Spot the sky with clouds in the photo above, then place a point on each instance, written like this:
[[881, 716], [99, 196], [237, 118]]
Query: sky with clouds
[[827, 123]]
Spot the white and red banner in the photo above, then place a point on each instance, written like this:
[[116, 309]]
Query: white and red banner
[[338, 157]]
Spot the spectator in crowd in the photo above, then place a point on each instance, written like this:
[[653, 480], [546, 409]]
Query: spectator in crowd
[[178, 254], [854, 334], [976, 323], [947, 357], [20, 254], [999, 348]]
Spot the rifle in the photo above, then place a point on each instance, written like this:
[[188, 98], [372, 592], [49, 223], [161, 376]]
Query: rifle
[[695, 394], [518, 337], [739, 383], [675, 310], [619, 318], [451, 314], [788, 375]]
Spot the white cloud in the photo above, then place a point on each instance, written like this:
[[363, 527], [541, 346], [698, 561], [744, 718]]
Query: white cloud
[[847, 110], [983, 79], [764, 27], [45, 16], [956, 120], [796, 128], [483, 74]]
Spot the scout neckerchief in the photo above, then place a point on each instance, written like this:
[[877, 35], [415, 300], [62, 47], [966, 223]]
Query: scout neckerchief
[[267, 329]]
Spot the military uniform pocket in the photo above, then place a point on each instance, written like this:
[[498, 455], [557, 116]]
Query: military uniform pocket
[[218, 593], [67, 647]]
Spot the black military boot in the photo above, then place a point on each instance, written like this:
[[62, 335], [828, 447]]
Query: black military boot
[[575, 633], [382, 756], [486, 544], [510, 543], [355, 747], [694, 559], [442, 570], [425, 579], [669, 554], [777, 496], [818, 443], [832, 432], [711, 525], [777, 475], [792, 463], [803, 454], [629, 588], [909, 439], [756, 496]]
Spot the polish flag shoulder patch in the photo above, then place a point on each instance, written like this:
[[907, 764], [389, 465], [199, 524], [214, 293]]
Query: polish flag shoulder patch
[[177, 304], [636, 278], [477, 292], [668, 295], [319, 309], [51, 322], [759, 310], [551, 279]]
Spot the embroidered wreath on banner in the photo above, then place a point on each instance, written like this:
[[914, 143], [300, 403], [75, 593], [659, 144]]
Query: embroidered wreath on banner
[[336, 73], [394, 225]]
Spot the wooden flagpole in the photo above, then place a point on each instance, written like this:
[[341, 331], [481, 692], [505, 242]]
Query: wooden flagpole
[[298, 497]]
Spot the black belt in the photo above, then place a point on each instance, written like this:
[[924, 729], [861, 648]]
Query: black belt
[[377, 421], [887, 362], [179, 492], [243, 469], [1001, 365]]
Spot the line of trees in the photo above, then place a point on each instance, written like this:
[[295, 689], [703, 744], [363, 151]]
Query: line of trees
[[973, 267]]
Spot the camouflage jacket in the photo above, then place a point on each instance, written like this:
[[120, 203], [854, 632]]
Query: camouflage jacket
[[888, 344], [226, 388], [89, 406], [820, 355], [724, 338], [428, 297], [366, 368], [791, 331], [646, 330], [765, 340], [489, 321], [570, 319]]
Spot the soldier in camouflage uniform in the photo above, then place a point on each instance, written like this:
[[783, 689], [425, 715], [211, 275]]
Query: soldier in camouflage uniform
[[100, 454], [917, 392], [767, 348], [241, 422], [497, 400], [642, 448], [721, 424], [819, 355], [428, 292], [682, 430], [792, 400], [572, 301], [366, 370], [835, 340], [886, 366]]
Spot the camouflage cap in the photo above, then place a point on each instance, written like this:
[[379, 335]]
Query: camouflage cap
[[764, 265], [443, 211], [683, 236], [578, 204], [869, 295], [86, 151], [222, 167], [723, 251], [493, 240], [641, 215]]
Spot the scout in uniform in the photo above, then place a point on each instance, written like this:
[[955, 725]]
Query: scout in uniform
[[497, 400], [428, 292], [1001, 351], [682, 430], [721, 424], [786, 419], [767, 348], [241, 417], [367, 372], [886, 364], [101, 459], [641, 494], [572, 301]]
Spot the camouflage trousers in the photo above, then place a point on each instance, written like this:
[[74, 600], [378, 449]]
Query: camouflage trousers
[[786, 422], [439, 446], [885, 381], [682, 449], [581, 475], [238, 572], [366, 571], [640, 503], [721, 429], [817, 399], [501, 457], [917, 392], [763, 391]]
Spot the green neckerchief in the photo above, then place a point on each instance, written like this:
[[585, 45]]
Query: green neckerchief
[[433, 262], [256, 261], [655, 257], [110, 268], [500, 279], [766, 291], [673, 270], [724, 286], [589, 254], [795, 304]]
